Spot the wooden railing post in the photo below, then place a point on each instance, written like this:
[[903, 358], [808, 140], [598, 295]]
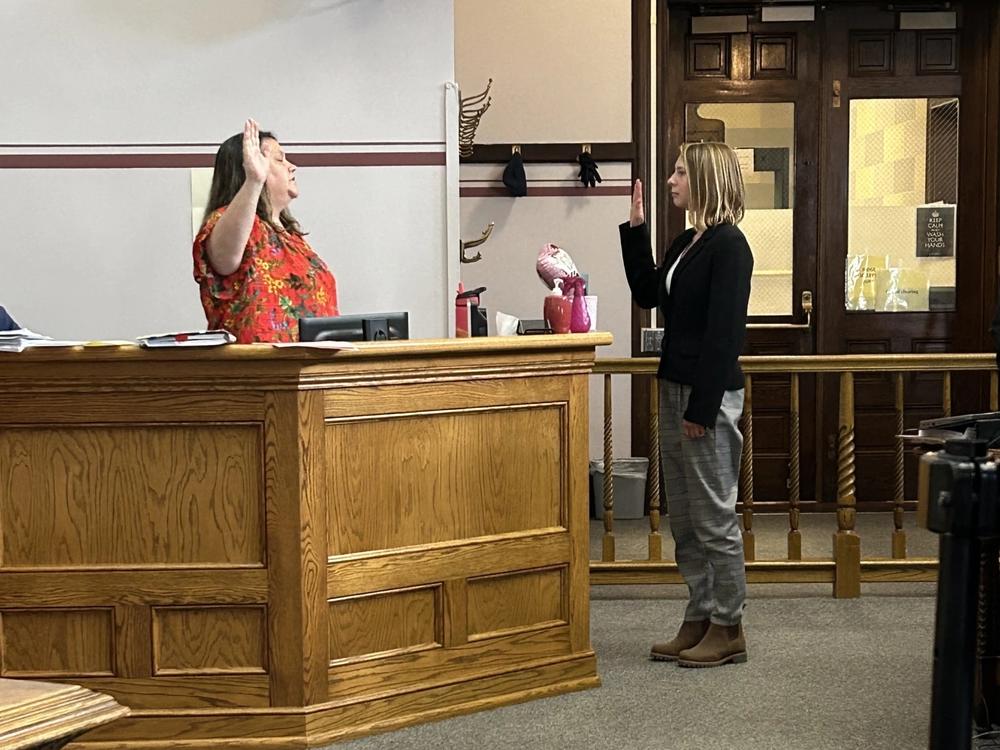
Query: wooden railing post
[[653, 473], [794, 535], [898, 535], [846, 544], [746, 472], [608, 541], [946, 394]]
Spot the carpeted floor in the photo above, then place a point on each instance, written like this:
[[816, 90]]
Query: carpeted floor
[[823, 675]]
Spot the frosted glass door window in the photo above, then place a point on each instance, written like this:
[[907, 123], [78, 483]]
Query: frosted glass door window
[[763, 135], [902, 205]]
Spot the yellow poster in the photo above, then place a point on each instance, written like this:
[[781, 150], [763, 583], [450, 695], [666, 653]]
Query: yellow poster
[[861, 281], [903, 290]]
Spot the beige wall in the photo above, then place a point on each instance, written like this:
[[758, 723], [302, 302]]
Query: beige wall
[[122, 77], [562, 73], [582, 223], [561, 69]]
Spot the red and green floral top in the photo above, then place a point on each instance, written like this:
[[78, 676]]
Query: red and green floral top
[[279, 280]]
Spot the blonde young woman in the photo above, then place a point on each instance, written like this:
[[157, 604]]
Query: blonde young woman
[[702, 289]]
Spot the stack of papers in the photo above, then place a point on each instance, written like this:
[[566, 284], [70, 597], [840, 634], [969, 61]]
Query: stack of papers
[[187, 338], [20, 339]]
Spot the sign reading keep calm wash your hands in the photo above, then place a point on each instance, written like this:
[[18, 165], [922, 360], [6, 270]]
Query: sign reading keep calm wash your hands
[[936, 232]]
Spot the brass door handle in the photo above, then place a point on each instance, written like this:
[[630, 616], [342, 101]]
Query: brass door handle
[[807, 308]]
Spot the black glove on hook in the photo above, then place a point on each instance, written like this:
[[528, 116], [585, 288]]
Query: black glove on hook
[[589, 175], [514, 177]]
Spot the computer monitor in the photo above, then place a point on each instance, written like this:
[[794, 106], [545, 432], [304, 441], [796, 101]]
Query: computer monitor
[[363, 327]]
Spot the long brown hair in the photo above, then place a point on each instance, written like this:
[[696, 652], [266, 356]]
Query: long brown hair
[[229, 177]]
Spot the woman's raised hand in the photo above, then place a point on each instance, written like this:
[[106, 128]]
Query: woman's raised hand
[[637, 214], [255, 163]]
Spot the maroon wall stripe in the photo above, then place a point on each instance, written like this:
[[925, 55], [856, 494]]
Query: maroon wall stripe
[[186, 161], [370, 159], [104, 161], [214, 145], [546, 192]]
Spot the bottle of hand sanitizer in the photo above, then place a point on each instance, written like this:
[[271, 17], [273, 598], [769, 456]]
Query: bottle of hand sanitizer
[[557, 309], [462, 313]]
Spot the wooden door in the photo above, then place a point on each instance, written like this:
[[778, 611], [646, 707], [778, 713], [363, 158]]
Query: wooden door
[[936, 92], [758, 91], [895, 209]]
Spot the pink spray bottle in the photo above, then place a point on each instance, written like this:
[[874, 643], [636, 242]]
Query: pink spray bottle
[[579, 321]]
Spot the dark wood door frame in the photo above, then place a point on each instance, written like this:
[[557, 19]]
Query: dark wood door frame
[[801, 90], [642, 137], [979, 172], [965, 328], [834, 188], [979, 156], [800, 86]]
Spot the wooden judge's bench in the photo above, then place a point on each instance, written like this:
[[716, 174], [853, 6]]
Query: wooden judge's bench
[[260, 547]]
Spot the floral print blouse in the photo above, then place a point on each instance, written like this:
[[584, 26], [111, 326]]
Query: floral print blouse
[[279, 280]]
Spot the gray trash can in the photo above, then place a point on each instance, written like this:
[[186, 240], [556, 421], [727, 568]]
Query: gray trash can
[[629, 476]]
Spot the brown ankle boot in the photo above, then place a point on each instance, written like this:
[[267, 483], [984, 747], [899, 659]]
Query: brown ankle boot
[[722, 644], [689, 635]]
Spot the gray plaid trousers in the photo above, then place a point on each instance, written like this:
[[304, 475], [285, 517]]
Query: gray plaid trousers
[[701, 478]]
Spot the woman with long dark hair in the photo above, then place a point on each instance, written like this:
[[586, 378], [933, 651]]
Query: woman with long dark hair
[[256, 272], [702, 289]]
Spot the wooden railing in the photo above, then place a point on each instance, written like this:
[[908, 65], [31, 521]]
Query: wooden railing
[[845, 568]]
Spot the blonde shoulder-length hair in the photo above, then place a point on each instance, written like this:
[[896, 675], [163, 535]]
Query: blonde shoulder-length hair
[[715, 184]]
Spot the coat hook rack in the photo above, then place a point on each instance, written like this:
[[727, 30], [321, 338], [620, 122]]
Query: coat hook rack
[[462, 245], [472, 110]]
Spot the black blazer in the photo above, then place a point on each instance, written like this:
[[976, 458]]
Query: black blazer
[[705, 314]]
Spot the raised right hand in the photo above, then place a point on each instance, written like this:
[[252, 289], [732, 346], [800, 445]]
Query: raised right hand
[[255, 163], [637, 214]]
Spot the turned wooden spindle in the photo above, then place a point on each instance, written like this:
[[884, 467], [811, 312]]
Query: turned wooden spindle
[[794, 535], [898, 535], [608, 541], [746, 473], [653, 475]]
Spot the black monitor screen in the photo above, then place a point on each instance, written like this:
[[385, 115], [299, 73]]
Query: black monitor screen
[[364, 327]]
